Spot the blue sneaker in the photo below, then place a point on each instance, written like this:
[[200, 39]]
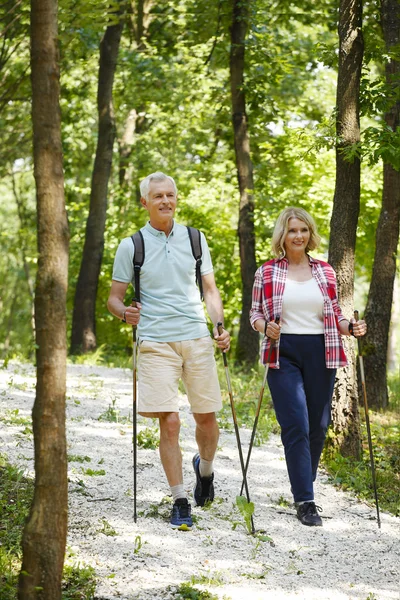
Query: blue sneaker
[[181, 516], [203, 492]]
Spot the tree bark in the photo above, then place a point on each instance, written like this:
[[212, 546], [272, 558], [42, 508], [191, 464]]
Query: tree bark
[[392, 363], [380, 297], [248, 342], [346, 207], [44, 536], [83, 335]]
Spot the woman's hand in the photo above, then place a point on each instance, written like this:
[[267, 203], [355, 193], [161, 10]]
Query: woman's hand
[[359, 327], [273, 330]]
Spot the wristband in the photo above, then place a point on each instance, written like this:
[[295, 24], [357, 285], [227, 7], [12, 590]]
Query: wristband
[[351, 329]]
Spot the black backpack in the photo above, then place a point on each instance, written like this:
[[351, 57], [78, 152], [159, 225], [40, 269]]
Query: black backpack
[[138, 259]]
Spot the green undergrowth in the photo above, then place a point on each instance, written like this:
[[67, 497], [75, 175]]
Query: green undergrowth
[[246, 393], [186, 591], [16, 493], [356, 475]]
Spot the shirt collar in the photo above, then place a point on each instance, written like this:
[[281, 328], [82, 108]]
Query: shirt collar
[[156, 232]]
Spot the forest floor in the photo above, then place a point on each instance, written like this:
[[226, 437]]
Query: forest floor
[[349, 558]]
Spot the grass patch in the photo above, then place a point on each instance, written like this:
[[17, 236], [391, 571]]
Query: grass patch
[[187, 592], [16, 493]]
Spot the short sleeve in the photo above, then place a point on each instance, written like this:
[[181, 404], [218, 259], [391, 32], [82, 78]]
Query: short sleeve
[[206, 262], [123, 262]]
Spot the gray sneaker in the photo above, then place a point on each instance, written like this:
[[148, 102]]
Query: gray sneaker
[[307, 513], [203, 491]]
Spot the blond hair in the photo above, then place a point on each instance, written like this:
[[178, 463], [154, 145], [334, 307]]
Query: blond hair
[[282, 227]]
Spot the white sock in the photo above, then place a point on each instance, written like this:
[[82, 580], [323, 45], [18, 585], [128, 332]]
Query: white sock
[[178, 491], [206, 467]]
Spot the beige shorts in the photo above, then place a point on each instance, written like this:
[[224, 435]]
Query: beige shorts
[[162, 364]]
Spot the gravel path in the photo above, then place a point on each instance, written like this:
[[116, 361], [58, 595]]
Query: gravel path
[[349, 558]]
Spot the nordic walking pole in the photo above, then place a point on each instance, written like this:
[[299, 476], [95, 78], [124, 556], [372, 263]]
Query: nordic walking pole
[[239, 445], [134, 420], [371, 454], [253, 434]]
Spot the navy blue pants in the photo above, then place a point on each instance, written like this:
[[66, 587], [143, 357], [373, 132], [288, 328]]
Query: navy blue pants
[[301, 391]]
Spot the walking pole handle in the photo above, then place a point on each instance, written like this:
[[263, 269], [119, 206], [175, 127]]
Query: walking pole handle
[[220, 330], [272, 344]]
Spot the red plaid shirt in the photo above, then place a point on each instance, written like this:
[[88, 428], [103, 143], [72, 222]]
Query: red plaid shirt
[[268, 288]]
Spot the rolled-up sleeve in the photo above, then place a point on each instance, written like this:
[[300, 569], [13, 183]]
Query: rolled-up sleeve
[[334, 299], [256, 311]]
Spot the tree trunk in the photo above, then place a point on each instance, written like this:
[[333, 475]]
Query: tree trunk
[[44, 536], [346, 206], [83, 335], [140, 20], [380, 297], [392, 353], [248, 342]]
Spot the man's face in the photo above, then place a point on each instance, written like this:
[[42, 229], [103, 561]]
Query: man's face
[[161, 204]]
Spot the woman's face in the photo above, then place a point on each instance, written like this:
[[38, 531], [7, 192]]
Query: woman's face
[[297, 237]]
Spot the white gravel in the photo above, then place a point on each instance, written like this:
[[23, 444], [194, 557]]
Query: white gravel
[[349, 558]]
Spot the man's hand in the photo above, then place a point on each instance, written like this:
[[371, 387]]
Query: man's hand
[[132, 314], [223, 340]]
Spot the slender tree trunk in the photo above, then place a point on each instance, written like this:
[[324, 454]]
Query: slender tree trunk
[[380, 297], [346, 206], [392, 353], [44, 536], [83, 336], [248, 343], [140, 20]]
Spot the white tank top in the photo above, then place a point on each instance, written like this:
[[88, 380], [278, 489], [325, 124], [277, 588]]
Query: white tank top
[[302, 308]]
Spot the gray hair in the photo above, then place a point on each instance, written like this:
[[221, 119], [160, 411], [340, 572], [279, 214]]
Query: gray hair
[[282, 227], [157, 176]]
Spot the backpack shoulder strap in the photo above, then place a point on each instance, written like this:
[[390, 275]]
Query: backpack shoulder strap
[[195, 243], [138, 260]]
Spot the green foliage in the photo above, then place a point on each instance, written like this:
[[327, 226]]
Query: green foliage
[[106, 528], [174, 88], [148, 438], [79, 582], [93, 472], [246, 510], [112, 414], [78, 458], [187, 592]]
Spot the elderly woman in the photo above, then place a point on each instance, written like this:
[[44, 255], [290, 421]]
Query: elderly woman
[[308, 347]]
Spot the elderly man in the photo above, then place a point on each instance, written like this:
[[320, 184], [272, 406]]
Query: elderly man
[[173, 338]]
